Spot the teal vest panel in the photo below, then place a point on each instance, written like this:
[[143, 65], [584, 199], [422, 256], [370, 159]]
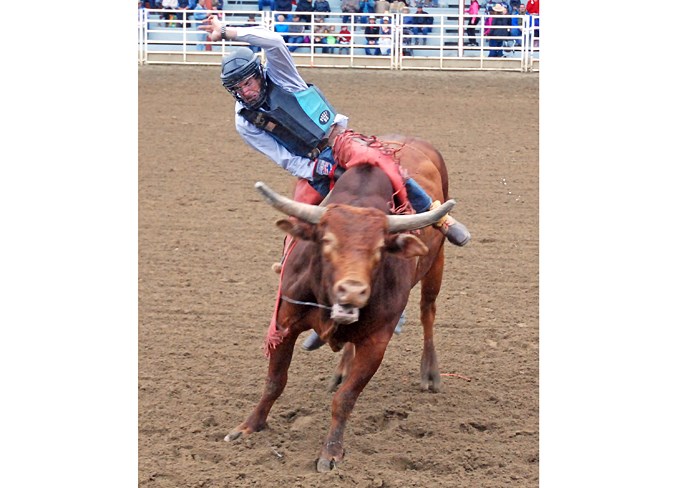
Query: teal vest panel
[[299, 121]]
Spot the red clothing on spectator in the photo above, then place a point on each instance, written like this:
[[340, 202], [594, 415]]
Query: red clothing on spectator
[[532, 7], [344, 35]]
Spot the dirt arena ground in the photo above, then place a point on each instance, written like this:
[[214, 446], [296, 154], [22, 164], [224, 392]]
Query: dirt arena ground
[[206, 292]]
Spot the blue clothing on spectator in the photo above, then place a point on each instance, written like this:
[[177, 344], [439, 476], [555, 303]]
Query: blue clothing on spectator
[[283, 5], [321, 6], [498, 28], [366, 7], [200, 15], [304, 6], [516, 30], [283, 29], [371, 35], [266, 3], [419, 23]]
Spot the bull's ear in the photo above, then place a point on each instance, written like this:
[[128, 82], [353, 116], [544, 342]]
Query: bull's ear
[[406, 244], [300, 230]]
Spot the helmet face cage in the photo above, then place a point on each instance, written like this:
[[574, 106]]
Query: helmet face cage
[[235, 76]]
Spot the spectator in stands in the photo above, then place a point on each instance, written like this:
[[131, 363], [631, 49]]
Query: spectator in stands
[[321, 6], [396, 6], [385, 39], [371, 34], [251, 22], [283, 5], [282, 27], [168, 16], [366, 7], [472, 10], [517, 23], [407, 31], [490, 5], [184, 16], [533, 8], [496, 30], [191, 5], [319, 31], [344, 38], [296, 29], [329, 40], [422, 23], [304, 6], [349, 7], [267, 3], [200, 15]]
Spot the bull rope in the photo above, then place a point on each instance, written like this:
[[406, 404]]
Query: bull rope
[[275, 336], [351, 148], [310, 304]]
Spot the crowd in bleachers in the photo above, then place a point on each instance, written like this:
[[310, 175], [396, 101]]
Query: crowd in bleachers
[[299, 29]]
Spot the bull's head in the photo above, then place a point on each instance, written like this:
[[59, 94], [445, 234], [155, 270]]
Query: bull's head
[[353, 240]]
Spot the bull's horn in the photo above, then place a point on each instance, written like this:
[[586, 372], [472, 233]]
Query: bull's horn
[[403, 223], [303, 211]]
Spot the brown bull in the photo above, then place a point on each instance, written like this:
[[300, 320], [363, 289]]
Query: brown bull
[[358, 263]]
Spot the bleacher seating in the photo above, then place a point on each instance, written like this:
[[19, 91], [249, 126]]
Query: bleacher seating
[[442, 42], [451, 6]]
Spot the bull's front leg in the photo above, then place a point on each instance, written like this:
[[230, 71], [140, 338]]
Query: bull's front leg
[[278, 366], [343, 368], [368, 356]]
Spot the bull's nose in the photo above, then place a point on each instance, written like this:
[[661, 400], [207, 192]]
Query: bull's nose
[[352, 292]]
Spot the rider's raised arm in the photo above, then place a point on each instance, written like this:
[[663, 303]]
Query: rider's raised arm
[[279, 63]]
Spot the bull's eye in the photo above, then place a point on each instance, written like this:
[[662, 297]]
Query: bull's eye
[[328, 243], [378, 252]]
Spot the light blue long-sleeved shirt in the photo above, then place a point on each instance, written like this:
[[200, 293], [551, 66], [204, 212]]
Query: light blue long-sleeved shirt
[[282, 71]]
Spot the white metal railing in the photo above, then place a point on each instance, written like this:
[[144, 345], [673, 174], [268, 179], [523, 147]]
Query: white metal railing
[[172, 37]]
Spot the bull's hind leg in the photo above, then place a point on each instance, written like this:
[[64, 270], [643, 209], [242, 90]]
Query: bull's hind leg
[[278, 366], [367, 359], [430, 288]]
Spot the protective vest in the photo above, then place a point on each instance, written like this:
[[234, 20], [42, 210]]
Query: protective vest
[[299, 121]]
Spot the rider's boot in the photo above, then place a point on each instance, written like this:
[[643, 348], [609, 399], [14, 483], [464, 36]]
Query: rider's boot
[[453, 230]]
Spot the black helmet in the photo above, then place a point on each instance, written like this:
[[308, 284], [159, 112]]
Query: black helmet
[[242, 63]]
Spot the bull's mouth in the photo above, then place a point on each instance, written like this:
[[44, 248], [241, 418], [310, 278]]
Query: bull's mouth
[[344, 313]]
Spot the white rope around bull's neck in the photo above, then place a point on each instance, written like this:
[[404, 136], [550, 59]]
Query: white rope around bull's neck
[[311, 304]]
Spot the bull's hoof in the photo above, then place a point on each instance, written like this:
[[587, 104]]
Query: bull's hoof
[[325, 465], [236, 434], [431, 382]]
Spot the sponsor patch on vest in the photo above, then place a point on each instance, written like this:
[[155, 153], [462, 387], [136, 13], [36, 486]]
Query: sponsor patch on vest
[[324, 117]]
